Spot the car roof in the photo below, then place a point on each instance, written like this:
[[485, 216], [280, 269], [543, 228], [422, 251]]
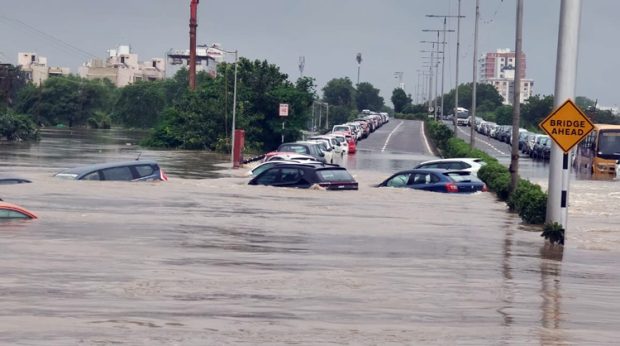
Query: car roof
[[432, 170], [460, 159], [11, 206], [98, 166], [11, 179]]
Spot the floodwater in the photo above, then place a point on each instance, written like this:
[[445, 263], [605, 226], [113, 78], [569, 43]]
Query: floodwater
[[198, 261]]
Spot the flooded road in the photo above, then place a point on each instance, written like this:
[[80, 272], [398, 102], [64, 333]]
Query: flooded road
[[214, 261]]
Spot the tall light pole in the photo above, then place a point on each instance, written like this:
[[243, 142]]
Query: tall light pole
[[234, 112], [458, 44], [358, 58], [516, 103], [435, 64], [443, 59], [472, 138], [193, 23]]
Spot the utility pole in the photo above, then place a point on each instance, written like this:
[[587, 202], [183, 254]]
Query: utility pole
[[358, 58], [193, 23], [565, 76], [472, 139], [516, 103], [443, 58], [302, 64], [434, 64]]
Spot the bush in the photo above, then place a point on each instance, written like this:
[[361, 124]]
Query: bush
[[17, 127], [529, 201]]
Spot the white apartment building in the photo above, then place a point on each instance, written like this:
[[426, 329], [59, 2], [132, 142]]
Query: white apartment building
[[122, 68], [498, 69], [36, 69]]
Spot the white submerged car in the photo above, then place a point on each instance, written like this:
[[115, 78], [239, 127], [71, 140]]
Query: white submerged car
[[471, 165]]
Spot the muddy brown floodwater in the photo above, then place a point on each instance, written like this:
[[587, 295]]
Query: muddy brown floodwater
[[218, 262]]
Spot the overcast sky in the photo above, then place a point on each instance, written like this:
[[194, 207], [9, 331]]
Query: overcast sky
[[328, 33]]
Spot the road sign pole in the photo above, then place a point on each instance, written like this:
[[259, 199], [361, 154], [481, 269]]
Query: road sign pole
[[565, 75]]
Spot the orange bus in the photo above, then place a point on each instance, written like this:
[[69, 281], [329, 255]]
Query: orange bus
[[599, 153]]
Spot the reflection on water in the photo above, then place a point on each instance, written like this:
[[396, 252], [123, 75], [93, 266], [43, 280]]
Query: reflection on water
[[215, 261]]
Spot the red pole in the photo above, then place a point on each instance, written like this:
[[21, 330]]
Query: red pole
[[193, 23]]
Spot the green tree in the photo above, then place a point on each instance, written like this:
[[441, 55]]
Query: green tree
[[339, 92], [17, 127], [535, 109], [503, 115], [487, 98], [367, 97], [140, 104], [400, 100]]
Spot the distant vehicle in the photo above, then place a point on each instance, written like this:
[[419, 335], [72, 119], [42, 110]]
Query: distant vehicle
[[542, 148], [9, 179], [304, 148], [599, 153], [284, 156], [437, 180], [462, 116], [137, 170], [13, 211], [471, 165], [305, 175]]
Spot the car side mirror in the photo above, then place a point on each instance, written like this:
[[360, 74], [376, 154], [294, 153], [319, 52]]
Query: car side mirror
[[321, 154]]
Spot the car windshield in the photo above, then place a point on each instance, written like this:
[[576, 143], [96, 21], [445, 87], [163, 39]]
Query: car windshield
[[329, 175], [300, 149], [341, 128]]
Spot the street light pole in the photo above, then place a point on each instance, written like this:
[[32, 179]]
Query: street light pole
[[472, 139], [234, 112], [516, 103], [443, 42], [458, 43]]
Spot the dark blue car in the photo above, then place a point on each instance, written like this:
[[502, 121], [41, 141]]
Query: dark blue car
[[437, 180], [305, 175]]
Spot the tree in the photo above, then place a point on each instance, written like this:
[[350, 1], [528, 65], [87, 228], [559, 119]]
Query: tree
[[400, 100], [367, 97], [141, 104], [503, 115], [535, 109], [487, 98], [339, 92]]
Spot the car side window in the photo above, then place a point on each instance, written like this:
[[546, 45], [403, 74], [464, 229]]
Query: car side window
[[11, 214], [145, 170], [420, 179], [290, 175], [92, 176], [117, 173], [269, 177], [399, 180]]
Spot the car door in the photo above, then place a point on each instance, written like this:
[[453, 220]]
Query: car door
[[291, 177], [424, 181]]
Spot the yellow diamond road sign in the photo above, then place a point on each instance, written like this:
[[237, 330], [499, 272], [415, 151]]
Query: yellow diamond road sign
[[567, 125]]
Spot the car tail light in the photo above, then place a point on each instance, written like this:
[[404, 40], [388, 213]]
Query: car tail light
[[162, 175], [485, 188], [451, 187]]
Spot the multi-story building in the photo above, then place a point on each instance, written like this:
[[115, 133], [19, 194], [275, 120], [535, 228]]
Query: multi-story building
[[122, 68], [36, 70], [498, 69], [211, 56]]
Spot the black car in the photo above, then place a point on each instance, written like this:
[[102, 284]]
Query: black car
[[330, 177]]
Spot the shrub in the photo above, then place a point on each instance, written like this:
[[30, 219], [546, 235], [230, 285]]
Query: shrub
[[529, 201], [17, 127]]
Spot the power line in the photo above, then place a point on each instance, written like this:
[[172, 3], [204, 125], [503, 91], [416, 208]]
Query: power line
[[54, 40]]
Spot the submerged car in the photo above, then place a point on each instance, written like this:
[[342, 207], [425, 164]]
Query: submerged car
[[9, 179], [437, 180], [137, 170], [13, 211], [472, 165], [305, 175]]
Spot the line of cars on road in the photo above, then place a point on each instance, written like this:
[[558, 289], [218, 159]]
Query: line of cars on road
[[535, 145]]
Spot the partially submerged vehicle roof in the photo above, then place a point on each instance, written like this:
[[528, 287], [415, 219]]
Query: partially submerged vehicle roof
[[16, 208], [94, 167], [6, 179]]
